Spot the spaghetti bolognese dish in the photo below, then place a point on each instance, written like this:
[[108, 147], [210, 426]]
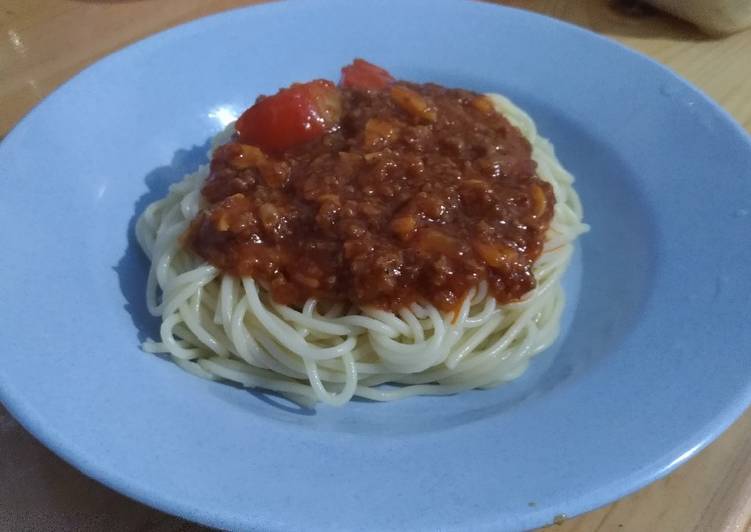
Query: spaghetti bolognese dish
[[373, 238]]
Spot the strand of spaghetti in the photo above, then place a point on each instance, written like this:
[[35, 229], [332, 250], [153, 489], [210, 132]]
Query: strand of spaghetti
[[480, 294], [379, 394], [292, 364], [277, 360], [194, 368], [227, 298], [246, 376], [476, 320], [319, 323], [415, 357], [364, 322], [416, 332], [286, 335], [245, 345], [166, 246], [306, 314], [170, 342], [191, 316], [173, 300], [420, 311], [473, 341], [389, 319], [350, 384], [201, 275], [190, 204]]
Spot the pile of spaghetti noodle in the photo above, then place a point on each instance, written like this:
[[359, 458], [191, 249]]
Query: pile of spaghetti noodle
[[220, 326]]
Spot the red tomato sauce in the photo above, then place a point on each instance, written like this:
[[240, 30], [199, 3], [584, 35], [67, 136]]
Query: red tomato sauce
[[375, 192]]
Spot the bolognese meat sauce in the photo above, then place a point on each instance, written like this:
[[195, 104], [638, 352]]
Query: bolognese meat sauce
[[375, 192]]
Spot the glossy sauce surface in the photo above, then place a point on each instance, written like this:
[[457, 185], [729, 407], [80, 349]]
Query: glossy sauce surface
[[409, 193]]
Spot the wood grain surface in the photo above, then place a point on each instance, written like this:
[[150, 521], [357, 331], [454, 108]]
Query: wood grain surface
[[45, 42]]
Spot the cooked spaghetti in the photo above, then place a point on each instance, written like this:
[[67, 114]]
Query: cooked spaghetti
[[461, 307]]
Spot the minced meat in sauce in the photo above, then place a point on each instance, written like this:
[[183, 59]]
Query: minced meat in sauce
[[390, 193]]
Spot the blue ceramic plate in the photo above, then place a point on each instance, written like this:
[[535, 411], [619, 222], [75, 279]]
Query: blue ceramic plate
[[653, 362]]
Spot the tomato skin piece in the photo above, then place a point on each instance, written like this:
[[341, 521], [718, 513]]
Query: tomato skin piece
[[365, 76], [292, 116]]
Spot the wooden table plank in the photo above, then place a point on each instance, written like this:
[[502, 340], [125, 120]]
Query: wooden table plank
[[44, 42]]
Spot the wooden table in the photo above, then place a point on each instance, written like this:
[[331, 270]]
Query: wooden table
[[44, 42]]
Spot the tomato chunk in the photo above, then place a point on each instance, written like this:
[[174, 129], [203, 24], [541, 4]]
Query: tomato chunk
[[363, 75], [292, 116]]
